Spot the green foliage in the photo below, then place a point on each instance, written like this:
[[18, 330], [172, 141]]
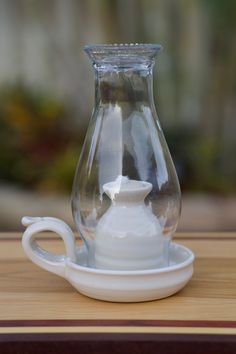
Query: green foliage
[[39, 149], [34, 138], [200, 162], [59, 176], [222, 13]]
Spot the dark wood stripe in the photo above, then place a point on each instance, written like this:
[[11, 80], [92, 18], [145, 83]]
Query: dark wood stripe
[[129, 323], [117, 343], [118, 336]]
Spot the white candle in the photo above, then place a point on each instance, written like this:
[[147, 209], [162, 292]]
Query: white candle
[[128, 236]]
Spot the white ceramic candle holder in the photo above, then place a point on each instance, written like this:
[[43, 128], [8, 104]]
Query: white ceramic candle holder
[[103, 284]]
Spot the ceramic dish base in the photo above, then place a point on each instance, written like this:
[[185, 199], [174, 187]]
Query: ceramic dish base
[[132, 286]]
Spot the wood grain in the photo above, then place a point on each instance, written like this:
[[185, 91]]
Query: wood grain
[[30, 293]]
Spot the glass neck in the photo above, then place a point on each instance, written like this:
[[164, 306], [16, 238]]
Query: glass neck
[[116, 85]]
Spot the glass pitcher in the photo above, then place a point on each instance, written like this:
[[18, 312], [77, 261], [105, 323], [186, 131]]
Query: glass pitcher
[[126, 197]]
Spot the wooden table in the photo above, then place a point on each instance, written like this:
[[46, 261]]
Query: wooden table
[[42, 313]]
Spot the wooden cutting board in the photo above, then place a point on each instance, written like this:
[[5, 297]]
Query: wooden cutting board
[[40, 312]]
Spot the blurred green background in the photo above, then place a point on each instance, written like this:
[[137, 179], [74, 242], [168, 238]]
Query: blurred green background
[[46, 98]]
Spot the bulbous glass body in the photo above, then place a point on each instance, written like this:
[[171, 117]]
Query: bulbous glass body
[[126, 198]]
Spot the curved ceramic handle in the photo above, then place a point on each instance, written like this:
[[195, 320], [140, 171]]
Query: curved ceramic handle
[[47, 260]]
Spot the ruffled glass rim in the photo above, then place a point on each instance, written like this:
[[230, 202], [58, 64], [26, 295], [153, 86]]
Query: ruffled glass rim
[[122, 53]]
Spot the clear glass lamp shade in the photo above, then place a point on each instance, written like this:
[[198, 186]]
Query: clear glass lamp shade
[[126, 197]]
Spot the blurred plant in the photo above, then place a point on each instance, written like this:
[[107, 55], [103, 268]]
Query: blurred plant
[[59, 176], [199, 162], [39, 146], [34, 137]]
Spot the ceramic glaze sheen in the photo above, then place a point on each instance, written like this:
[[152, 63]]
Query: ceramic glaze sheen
[[103, 284], [128, 236]]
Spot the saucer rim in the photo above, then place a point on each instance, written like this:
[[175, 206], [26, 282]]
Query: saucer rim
[[168, 269]]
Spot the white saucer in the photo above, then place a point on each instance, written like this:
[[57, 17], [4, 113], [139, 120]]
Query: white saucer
[[132, 286], [109, 285]]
